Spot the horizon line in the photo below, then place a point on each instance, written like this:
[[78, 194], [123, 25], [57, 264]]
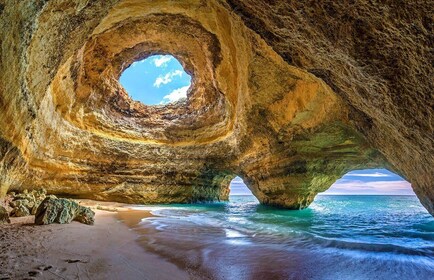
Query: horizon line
[[342, 194]]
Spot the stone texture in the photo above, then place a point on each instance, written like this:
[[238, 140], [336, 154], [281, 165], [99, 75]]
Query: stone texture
[[26, 203], [20, 211], [289, 95], [4, 216], [62, 211]]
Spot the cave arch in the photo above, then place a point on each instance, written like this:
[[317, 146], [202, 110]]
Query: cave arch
[[271, 100]]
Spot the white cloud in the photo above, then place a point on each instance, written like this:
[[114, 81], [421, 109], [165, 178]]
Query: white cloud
[[167, 78], [344, 186], [376, 174], [135, 63], [162, 60], [175, 95]]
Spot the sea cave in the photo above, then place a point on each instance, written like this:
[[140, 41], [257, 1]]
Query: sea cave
[[285, 96]]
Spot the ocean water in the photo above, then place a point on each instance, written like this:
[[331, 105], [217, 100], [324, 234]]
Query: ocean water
[[337, 237]]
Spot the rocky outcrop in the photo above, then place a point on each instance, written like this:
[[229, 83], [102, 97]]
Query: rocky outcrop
[[63, 211], [288, 95]]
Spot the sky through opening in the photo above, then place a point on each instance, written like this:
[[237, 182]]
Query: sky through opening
[[238, 187], [156, 80], [356, 182]]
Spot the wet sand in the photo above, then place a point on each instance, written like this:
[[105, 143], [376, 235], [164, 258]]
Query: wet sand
[[181, 253], [107, 250], [132, 218]]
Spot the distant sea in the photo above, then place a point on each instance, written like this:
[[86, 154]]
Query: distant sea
[[337, 237]]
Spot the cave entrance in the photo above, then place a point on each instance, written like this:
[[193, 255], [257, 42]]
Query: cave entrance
[[240, 191], [370, 182], [156, 80]]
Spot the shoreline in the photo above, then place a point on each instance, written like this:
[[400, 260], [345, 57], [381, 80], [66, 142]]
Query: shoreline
[[223, 243], [106, 250], [122, 245]]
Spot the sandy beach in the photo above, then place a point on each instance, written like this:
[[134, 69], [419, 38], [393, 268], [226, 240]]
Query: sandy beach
[[107, 250]]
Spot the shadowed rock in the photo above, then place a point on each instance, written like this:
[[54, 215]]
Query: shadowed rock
[[4, 216], [62, 211], [20, 211]]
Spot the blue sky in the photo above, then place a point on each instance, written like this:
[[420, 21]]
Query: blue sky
[[357, 182], [371, 181], [158, 79]]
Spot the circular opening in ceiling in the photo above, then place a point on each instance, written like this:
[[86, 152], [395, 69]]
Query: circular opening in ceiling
[[156, 80]]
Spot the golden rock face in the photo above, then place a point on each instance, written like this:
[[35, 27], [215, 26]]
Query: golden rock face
[[273, 99]]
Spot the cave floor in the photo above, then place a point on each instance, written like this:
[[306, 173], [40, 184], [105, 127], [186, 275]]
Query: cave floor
[[107, 250]]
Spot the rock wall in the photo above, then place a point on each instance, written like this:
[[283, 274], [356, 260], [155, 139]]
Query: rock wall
[[288, 96]]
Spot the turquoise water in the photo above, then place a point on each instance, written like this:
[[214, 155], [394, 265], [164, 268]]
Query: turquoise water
[[337, 237]]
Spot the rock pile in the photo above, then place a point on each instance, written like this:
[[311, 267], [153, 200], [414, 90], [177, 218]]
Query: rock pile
[[26, 203], [47, 209]]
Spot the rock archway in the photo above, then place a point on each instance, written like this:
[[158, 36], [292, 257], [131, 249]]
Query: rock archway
[[263, 103]]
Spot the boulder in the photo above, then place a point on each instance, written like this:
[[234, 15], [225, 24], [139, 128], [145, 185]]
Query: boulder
[[62, 211], [4, 216]]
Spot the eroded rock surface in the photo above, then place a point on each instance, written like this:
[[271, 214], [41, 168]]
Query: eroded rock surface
[[62, 211], [288, 95]]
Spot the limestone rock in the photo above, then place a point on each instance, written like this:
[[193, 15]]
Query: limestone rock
[[288, 95], [4, 216], [62, 211]]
